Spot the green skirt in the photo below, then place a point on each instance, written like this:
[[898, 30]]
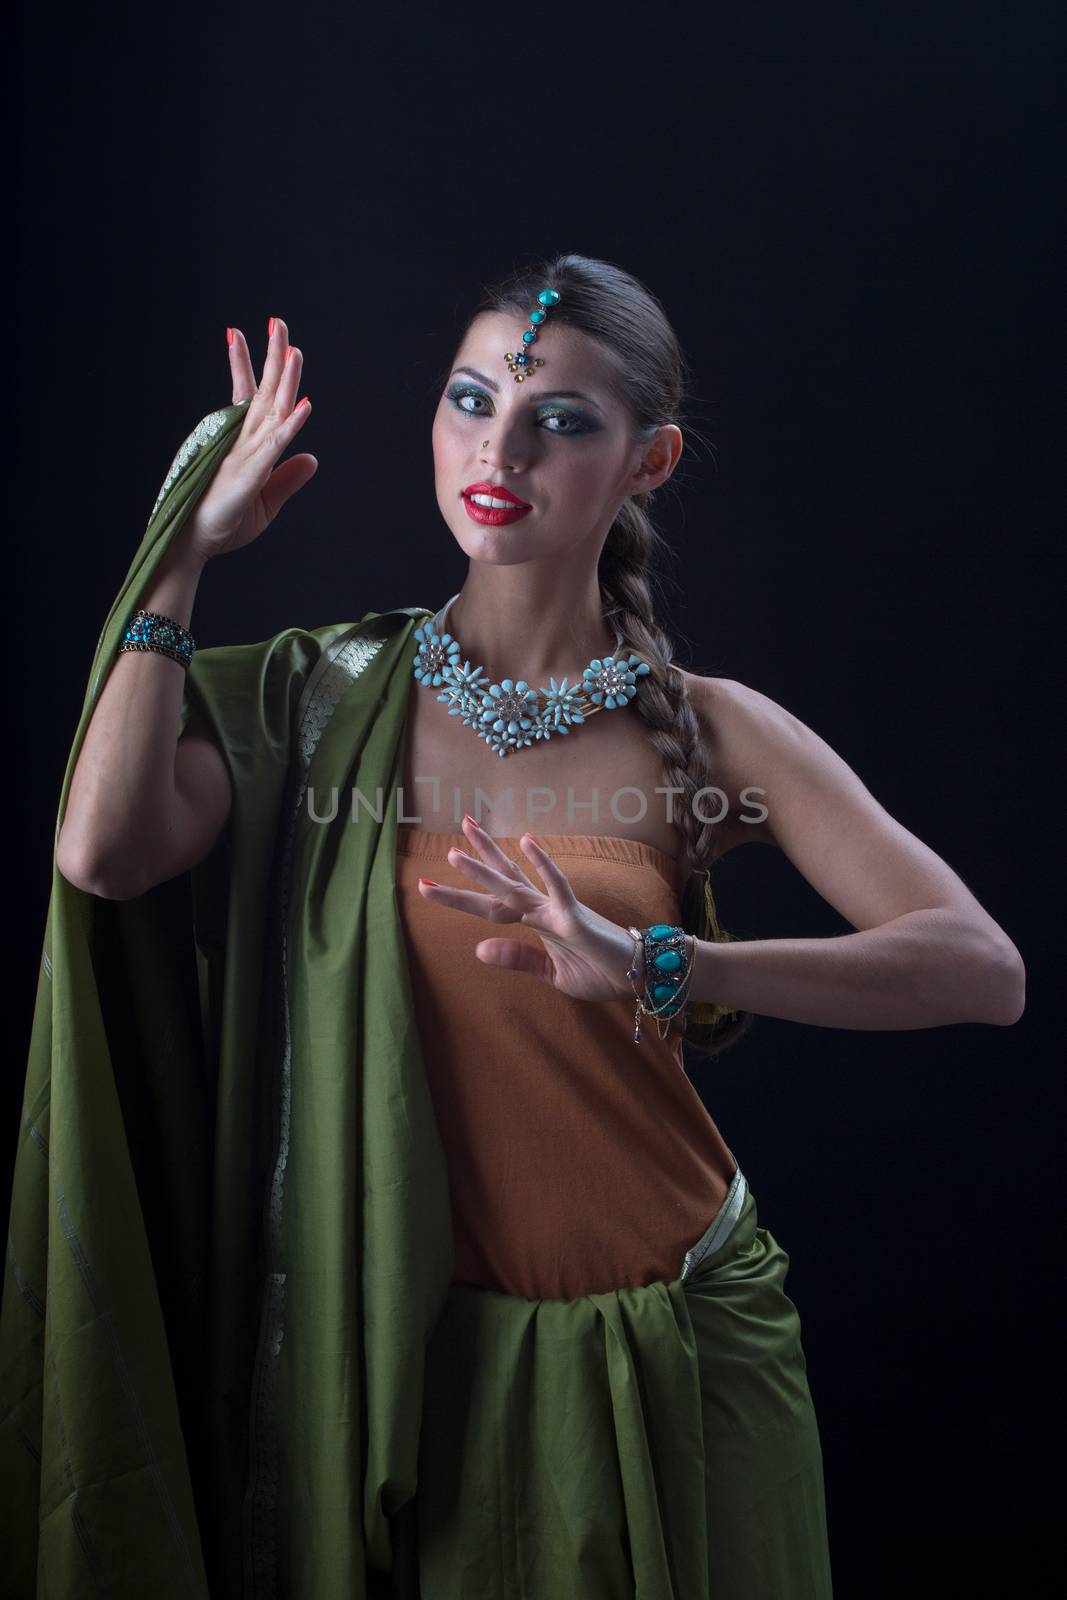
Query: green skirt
[[657, 1442]]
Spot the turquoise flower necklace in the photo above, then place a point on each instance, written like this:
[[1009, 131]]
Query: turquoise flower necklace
[[509, 715]]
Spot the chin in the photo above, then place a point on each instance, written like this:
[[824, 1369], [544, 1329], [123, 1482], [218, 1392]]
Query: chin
[[491, 550]]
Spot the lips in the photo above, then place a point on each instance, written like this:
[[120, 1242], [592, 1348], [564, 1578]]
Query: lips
[[497, 491], [494, 516]]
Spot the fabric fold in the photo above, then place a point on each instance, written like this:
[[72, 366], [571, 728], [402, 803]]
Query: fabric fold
[[657, 1441]]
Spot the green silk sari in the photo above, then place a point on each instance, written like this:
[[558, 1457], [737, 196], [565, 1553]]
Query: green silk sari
[[230, 1349]]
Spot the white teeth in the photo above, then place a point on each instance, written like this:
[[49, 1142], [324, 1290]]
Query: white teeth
[[496, 505]]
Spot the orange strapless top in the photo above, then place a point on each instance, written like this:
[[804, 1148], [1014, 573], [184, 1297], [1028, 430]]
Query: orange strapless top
[[578, 1162]]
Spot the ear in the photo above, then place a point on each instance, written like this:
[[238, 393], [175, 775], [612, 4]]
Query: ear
[[659, 459]]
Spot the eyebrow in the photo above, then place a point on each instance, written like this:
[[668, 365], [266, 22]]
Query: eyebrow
[[542, 394]]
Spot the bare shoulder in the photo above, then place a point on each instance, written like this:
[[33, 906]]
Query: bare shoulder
[[826, 821], [733, 720]]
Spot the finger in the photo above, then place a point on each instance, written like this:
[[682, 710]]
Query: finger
[[289, 387], [287, 478], [490, 908], [274, 365], [515, 957], [488, 848], [241, 375], [556, 880], [507, 881]]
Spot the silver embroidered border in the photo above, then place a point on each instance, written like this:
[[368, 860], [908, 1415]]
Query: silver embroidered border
[[205, 429], [721, 1225], [334, 673]]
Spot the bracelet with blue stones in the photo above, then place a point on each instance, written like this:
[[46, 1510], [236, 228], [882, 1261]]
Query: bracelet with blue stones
[[149, 630], [667, 974]]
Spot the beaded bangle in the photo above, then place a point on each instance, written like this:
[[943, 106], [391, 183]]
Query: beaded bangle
[[149, 630], [666, 966]]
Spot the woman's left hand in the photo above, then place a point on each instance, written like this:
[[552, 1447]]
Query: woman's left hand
[[584, 955]]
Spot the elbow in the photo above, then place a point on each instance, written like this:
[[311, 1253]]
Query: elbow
[[103, 888], [93, 879], [1003, 993]]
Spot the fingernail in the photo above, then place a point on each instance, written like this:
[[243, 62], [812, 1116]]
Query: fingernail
[[468, 818], [431, 881], [289, 352], [229, 335], [304, 402], [270, 327]]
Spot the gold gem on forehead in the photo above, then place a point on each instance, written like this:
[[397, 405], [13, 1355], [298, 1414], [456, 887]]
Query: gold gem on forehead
[[521, 362]]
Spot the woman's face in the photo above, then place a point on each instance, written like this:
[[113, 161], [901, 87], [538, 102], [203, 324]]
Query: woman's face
[[569, 456]]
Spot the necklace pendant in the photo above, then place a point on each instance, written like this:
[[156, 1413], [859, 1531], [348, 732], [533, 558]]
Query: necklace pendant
[[437, 654]]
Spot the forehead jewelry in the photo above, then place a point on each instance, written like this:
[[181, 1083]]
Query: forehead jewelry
[[523, 362]]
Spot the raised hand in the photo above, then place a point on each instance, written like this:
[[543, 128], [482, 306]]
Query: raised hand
[[584, 955], [248, 490]]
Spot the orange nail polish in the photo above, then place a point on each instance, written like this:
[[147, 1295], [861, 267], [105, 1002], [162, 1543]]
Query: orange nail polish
[[270, 327], [229, 335], [431, 881]]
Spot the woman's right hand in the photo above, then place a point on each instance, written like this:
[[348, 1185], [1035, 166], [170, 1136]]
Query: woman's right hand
[[248, 491]]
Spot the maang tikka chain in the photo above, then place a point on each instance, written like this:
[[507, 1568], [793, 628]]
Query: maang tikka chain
[[522, 363]]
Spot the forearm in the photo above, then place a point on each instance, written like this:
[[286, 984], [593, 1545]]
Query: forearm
[[922, 970], [122, 789]]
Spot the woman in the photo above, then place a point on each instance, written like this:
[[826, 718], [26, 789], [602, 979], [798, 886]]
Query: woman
[[358, 1247]]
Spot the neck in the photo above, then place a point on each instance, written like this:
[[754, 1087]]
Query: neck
[[517, 624]]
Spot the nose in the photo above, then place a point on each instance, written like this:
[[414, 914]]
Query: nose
[[507, 447]]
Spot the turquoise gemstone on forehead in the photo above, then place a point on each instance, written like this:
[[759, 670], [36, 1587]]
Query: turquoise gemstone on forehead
[[549, 297], [538, 316], [529, 336]]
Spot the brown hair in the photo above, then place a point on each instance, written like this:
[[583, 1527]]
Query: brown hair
[[650, 379]]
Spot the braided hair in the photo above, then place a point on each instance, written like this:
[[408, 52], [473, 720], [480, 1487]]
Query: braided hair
[[649, 378]]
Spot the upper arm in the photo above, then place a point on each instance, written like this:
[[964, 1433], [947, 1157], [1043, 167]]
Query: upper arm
[[203, 797], [863, 862]]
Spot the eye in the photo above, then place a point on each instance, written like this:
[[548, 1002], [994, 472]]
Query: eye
[[571, 422]]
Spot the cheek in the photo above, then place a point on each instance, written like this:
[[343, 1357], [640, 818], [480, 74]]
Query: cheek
[[443, 438], [583, 471]]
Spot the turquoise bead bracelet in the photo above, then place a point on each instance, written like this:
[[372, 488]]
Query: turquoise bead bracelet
[[667, 973], [149, 630]]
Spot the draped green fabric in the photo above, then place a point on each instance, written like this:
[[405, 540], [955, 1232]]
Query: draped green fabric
[[232, 1362]]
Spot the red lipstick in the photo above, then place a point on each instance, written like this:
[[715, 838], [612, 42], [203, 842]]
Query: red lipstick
[[494, 516], [497, 491]]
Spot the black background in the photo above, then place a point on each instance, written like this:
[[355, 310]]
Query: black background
[[851, 220]]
